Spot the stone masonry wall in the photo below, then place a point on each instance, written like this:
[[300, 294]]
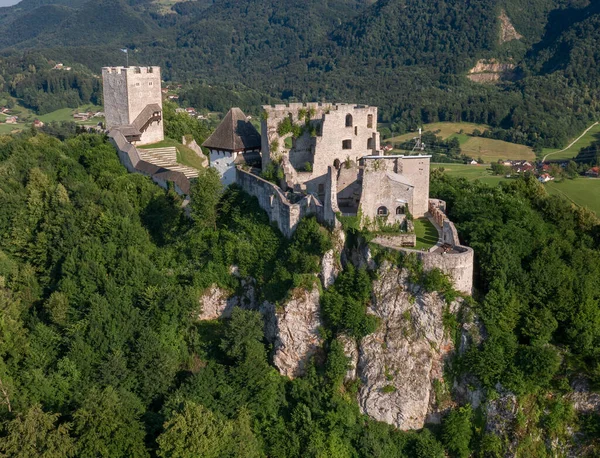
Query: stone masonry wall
[[417, 169], [327, 147], [127, 91]]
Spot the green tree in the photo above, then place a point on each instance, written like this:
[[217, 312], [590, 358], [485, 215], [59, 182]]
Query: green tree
[[205, 194], [457, 432], [194, 431], [108, 425], [37, 434]]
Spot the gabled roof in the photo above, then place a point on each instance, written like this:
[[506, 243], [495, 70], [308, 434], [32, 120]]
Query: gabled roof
[[235, 133]]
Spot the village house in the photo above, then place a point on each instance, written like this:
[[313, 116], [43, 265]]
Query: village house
[[545, 178], [594, 172], [11, 120]]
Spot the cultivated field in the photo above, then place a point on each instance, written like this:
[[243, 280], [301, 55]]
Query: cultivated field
[[471, 172], [488, 149], [581, 191]]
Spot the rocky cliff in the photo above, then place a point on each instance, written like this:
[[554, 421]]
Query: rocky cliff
[[293, 328], [400, 363], [492, 70]]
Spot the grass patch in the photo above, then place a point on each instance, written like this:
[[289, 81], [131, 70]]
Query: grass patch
[[470, 172], [581, 191], [446, 129], [11, 128], [185, 155], [591, 136], [488, 149], [427, 234]]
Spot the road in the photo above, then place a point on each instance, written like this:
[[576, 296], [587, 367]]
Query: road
[[572, 143]]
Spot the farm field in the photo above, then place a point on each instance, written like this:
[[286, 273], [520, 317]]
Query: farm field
[[471, 172], [490, 150], [581, 191], [592, 135]]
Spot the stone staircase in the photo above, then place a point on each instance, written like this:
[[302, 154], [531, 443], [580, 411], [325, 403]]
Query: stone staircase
[[166, 158]]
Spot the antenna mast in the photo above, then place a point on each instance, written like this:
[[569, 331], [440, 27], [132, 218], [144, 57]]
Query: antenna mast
[[419, 145]]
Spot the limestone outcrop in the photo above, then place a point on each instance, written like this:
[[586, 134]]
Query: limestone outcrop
[[217, 302], [399, 363], [492, 70], [293, 328]]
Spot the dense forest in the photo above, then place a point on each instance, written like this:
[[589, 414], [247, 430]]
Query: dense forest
[[101, 355], [31, 79], [409, 57]]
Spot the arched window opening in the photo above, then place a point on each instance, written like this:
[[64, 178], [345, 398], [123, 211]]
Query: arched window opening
[[400, 210], [369, 143], [382, 211], [321, 188], [355, 130], [336, 163], [348, 120], [370, 121], [347, 144]]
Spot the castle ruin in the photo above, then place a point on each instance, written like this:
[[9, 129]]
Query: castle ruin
[[133, 103]]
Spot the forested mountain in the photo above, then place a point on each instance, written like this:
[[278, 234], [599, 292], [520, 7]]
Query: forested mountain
[[410, 57]]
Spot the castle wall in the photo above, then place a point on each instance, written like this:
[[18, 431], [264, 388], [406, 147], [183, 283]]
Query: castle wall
[[417, 169], [381, 189], [223, 161], [281, 211], [327, 147], [131, 160], [116, 105], [457, 265], [127, 91]]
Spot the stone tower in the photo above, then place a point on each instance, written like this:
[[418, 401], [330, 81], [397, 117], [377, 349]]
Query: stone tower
[[133, 103]]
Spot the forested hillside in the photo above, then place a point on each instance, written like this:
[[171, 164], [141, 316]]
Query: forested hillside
[[409, 57], [101, 355]]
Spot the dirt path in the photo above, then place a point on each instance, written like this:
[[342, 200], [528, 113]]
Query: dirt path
[[572, 143]]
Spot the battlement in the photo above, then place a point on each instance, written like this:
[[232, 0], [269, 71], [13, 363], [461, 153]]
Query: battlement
[[130, 70], [317, 106], [128, 91]]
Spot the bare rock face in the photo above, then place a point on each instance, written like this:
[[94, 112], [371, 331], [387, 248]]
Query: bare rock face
[[330, 264], [217, 303], [399, 363], [584, 400], [294, 330], [492, 70], [351, 351], [507, 30]]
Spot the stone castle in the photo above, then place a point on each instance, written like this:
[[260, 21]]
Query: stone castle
[[320, 159], [133, 103]]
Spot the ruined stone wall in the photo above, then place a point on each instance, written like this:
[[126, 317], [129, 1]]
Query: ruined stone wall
[[327, 147], [458, 265], [127, 91], [381, 189], [281, 211], [416, 168]]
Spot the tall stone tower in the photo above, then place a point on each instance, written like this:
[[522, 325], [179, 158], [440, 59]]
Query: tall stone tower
[[133, 103]]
